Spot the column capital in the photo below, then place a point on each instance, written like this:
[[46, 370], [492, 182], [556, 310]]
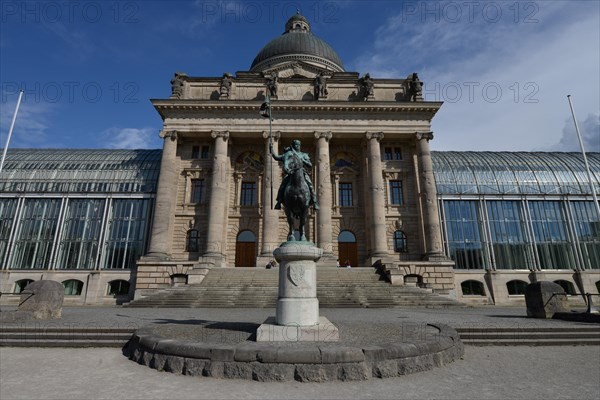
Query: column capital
[[374, 135], [424, 135], [220, 134], [276, 135], [168, 134], [323, 134]]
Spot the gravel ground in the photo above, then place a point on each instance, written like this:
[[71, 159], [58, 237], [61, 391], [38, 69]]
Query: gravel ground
[[566, 372]]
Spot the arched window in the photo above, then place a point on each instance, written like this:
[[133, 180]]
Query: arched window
[[400, 245], [516, 287], [472, 288], [598, 286], [20, 285], [567, 286], [346, 237], [246, 237], [118, 287], [73, 287], [192, 241]]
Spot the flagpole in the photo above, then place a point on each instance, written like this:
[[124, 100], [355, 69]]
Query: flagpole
[[587, 166], [12, 125]]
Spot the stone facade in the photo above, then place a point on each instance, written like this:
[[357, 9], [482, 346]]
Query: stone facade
[[362, 151]]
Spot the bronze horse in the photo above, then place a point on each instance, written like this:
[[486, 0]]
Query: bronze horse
[[296, 196]]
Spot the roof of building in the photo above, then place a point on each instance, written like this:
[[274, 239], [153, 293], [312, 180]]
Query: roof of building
[[456, 172], [300, 44], [80, 171], [514, 173]]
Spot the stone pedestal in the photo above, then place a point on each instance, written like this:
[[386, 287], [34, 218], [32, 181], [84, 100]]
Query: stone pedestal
[[297, 316], [297, 303]]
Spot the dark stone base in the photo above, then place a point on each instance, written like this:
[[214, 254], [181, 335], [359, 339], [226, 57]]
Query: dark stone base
[[302, 362]]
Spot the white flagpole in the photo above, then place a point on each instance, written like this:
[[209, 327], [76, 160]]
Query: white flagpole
[[587, 166], [12, 125]]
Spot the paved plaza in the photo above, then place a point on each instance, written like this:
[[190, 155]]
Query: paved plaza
[[503, 372]]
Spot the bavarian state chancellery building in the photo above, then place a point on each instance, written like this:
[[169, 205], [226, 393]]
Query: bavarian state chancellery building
[[114, 225]]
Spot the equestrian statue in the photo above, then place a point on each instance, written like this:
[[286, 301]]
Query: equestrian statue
[[296, 191]]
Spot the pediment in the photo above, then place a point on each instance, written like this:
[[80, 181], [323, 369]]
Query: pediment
[[294, 69]]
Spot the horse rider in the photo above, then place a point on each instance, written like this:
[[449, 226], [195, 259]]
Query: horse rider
[[289, 152]]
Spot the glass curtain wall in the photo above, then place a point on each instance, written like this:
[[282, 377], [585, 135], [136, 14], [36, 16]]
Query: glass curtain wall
[[127, 228], [81, 234], [8, 208], [553, 246], [587, 229], [464, 236], [36, 233], [509, 241]]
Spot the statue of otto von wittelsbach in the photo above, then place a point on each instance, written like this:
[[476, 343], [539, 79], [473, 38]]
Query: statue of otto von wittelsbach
[[296, 192]]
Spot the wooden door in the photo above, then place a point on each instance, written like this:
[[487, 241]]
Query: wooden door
[[348, 251], [245, 254]]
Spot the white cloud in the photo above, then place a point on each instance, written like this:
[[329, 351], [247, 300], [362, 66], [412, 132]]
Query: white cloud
[[543, 61], [130, 138], [31, 125], [590, 135]]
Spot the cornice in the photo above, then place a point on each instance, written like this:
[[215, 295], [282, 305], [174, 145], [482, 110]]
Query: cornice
[[282, 105]]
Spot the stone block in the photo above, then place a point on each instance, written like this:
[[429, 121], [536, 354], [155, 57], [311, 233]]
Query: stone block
[[194, 367], [290, 355], [385, 369], [147, 358], [325, 331], [354, 372], [339, 354], [316, 372], [43, 299], [544, 299], [236, 370], [214, 369], [222, 353], [175, 364], [273, 372], [158, 361], [375, 353]]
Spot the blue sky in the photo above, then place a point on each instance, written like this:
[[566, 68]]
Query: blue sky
[[503, 69]]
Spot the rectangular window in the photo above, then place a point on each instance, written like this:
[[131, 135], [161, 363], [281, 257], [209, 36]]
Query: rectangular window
[[553, 244], [346, 194], [396, 192], [197, 190], [127, 231], [248, 197], [397, 153], [81, 234], [464, 240], [195, 151], [509, 240], [37, 229], [387, 154], [8, 208], [587, 228], [204, 153]]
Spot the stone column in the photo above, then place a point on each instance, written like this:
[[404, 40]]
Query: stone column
[[166, 192], [323, 188], [377, 192], [270, 231], [215, 246], [433, 234]]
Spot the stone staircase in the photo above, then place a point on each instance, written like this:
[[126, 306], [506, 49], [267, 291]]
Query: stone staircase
[[585, 334], [57, 336], [257, 288]]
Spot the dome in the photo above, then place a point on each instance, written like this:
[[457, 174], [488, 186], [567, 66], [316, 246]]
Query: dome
[[297, 44]]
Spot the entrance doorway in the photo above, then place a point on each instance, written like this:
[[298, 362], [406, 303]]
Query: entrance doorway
[[347, 249], [245, 249]]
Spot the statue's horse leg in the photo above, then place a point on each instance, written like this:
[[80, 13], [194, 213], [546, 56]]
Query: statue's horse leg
[[302, 223], [290, 220]]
